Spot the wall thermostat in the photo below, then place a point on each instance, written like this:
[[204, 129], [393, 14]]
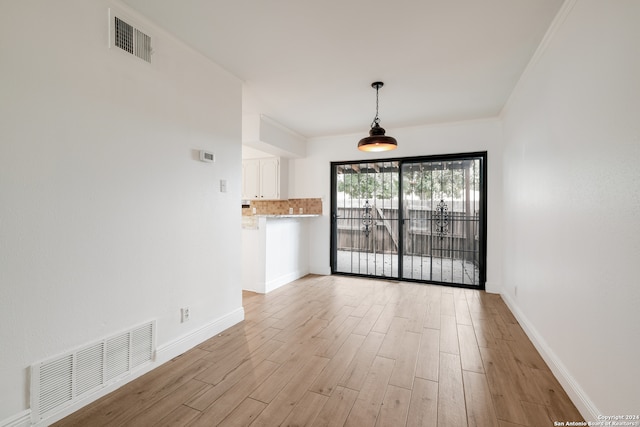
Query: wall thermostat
[[207, 156]]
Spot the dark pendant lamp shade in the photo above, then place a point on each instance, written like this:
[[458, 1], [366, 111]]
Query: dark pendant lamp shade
[[377, 140]]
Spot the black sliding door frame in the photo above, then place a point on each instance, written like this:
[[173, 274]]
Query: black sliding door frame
[[403, 222]]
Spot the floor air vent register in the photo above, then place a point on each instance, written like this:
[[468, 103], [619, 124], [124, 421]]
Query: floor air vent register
[[61, 381]]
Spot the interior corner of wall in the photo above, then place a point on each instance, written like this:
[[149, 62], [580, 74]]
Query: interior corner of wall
[[493, 287]]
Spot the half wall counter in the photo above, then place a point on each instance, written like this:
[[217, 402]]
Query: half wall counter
[[275, 246]]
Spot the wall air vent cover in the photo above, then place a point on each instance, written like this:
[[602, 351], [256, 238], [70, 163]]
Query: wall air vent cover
[[125, 35], [62, 381]]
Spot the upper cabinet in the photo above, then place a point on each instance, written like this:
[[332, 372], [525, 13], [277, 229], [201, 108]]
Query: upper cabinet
[[262, 179], [250, 179], [270, 179]]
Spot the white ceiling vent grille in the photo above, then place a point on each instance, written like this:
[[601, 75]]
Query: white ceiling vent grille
[[59, 382], [128, 37]]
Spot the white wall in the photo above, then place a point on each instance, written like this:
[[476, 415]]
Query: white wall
[[571, 191], [275, 253], [287, 256], [107, 218], [310, 177], [254, 243]]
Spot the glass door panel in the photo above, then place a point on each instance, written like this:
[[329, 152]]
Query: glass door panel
[[366, 219], [441, 212]]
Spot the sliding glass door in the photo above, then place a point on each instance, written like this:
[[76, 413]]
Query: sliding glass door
[[418, 219]]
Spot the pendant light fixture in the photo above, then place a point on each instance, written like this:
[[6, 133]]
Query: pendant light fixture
[[377, 141]]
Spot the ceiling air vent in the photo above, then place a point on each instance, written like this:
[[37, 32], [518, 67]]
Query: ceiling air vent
[[130, 39]]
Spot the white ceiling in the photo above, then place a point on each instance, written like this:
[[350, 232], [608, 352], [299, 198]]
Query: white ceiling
[[309, 64]]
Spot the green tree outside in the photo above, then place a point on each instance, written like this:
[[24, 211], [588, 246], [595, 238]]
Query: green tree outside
[[420, 183]]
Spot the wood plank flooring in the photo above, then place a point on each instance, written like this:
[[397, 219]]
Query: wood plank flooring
[[341, 351]]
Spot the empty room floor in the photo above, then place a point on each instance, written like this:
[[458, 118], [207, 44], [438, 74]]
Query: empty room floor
[[344, 351]]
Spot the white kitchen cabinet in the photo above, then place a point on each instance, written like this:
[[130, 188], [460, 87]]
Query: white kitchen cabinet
[[250, 179], [270, 178], [262, 179]]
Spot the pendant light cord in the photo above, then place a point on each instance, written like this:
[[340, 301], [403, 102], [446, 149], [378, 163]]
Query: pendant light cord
[[376, 120]]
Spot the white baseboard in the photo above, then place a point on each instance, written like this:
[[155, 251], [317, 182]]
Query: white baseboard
[[177, 347], [23, 419], [283, 280], [577, 395], [325, 271], [255, 287], [163, 354], [492, 287]]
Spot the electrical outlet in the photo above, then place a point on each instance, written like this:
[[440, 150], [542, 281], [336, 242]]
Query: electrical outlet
[[186, 314]]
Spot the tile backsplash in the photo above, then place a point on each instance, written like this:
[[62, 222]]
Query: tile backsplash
[[281, 207]]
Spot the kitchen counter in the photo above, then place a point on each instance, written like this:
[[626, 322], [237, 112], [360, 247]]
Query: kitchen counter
[[289, 216], [252, 222], [275, 250]]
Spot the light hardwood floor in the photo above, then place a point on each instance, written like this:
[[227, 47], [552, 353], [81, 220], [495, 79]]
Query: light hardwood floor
[[342, 351]]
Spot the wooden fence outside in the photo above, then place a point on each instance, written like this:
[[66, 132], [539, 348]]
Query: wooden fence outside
[[421, 237]]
